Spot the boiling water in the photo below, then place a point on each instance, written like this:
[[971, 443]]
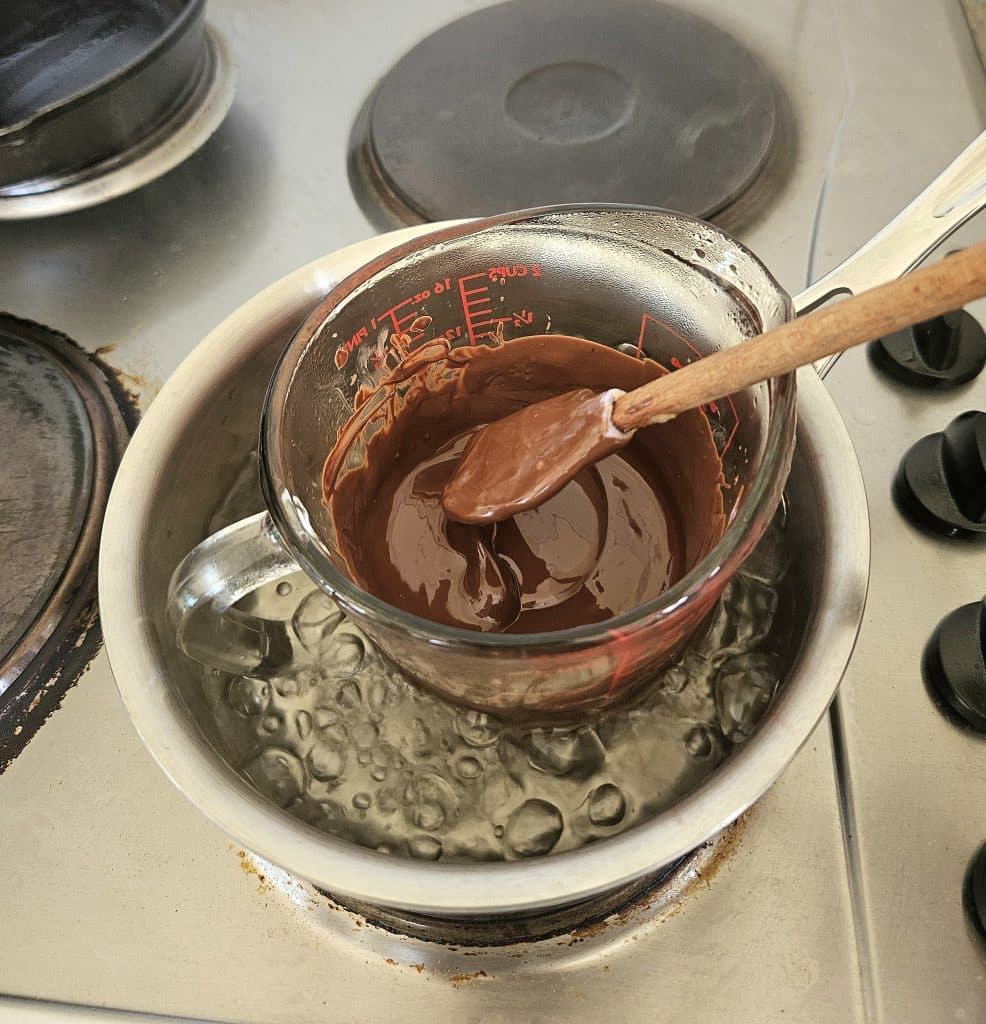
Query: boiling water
[[343, 741]]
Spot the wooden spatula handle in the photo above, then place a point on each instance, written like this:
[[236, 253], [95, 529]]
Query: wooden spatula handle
[[920, 295]]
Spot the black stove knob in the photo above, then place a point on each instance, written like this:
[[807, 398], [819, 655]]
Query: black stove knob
[[939, 353], [955, 662], [975, 894], [941, 482]]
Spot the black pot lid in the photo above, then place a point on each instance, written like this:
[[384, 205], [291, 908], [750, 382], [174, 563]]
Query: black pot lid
[[537, 102]]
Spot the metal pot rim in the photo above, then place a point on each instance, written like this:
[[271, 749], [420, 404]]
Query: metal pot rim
[[451, 889], [183, 18]]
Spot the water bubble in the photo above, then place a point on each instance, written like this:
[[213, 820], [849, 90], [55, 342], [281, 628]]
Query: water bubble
[[468, 767], [272, 723], [420, 738], [534, 828], [346, 655], [425, 848], [324, 717], [377, 696], [699, 742], [742, 618], [674, 679], [363, 756], [606, 805], [431, 801], [335, 734], [563, 751], [398, 688], [385, 848], [327, 761], [771, 557], [387, 801], [330, 810], [298, 684], [349, 695], [284, 588], [278, 774], [248, 696], [744, 688], [477, 729], [303, 721], [498, 831], [384, 755], [362, 801], [315, 620], [378, 774], [428, 816], [364, 734]]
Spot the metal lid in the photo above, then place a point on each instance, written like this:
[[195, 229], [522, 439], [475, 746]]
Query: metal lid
[[539, 102]]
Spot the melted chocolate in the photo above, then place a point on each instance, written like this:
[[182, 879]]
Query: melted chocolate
[[615, 536], [517, 463]]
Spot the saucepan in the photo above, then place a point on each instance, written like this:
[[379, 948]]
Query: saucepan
[[90, 88], [171, 483]]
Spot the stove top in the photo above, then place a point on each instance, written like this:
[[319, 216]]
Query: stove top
[[839, 896]]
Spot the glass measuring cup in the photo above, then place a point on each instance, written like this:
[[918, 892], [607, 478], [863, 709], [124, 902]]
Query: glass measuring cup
[[654, 284]]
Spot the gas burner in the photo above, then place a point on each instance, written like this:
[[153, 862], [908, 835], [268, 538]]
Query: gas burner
[[538, 102], [65, 425], [650, 897], [186, 129]]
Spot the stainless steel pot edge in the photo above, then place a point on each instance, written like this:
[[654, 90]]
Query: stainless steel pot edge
[[438, 888], [193, 125]]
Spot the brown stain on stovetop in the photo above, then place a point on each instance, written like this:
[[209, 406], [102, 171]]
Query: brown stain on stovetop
[[136, 389], [462, 979], [654, 906], [650, 909], [249, 867], [723, 846]]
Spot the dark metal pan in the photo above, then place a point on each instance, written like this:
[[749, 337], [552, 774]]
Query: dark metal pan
[[82, 81]]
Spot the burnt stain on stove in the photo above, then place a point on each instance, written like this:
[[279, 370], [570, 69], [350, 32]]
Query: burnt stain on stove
[[135, 390], [462, 979], [649, 901], [619, 916], [249, 867], [64, 636], [720, 849]]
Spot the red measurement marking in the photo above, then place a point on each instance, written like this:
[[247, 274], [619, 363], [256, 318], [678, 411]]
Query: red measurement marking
[[398, 322], [342, 352], [477, 307], [677, 364]]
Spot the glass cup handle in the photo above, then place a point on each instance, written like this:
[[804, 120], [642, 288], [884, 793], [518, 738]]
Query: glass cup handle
[[957, 194], [210, 580]]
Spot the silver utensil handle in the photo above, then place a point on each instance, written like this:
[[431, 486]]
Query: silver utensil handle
[[211, 578], [957, 194]]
